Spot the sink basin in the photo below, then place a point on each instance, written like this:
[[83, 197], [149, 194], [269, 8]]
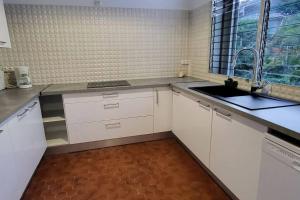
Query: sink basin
[[220, 90], [244, 99]]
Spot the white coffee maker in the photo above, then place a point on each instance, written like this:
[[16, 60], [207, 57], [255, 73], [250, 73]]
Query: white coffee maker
[[22, 76]]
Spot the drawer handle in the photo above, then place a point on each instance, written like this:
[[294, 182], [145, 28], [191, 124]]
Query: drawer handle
[[111, 106], [20, 116], [203, 105], [157, 97], [176, 93], [226, 116], [111, 95], [33, 105], [113, 125], [2, 42]]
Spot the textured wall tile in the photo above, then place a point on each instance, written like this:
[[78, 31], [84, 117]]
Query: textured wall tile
[[63, 44]]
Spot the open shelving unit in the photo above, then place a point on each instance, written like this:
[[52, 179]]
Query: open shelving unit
[[54, 120]]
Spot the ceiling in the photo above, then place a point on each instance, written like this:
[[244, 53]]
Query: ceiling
[[154, 4]]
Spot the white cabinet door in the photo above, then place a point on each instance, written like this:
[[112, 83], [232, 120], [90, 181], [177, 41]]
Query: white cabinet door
[[177, 115], [4, 35], [192, 125], [28, 141], [162, 109], [8, 178], [236, 152]]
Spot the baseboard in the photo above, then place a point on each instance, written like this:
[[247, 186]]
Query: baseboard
[[107, 143]]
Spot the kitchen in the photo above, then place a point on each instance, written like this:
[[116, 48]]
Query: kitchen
[[131, 99]]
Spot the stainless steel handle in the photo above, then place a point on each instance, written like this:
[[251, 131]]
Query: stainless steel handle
[[33, 105], [113, 125], [20, 116], [203, 105], [110, 95], [157, 97], [222, 114], [111, 106]]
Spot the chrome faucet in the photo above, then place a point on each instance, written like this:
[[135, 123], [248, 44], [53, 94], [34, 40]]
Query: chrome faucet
[[256, 82]]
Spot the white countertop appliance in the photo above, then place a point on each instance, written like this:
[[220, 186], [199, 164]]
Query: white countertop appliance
[[23, 78], [280, 169]]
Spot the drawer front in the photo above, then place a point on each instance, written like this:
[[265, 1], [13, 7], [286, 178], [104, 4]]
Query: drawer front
[[108, 110], [95, 131], [111, 95]]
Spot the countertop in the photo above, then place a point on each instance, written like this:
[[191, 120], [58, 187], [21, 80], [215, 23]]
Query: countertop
[[285, 120], [134, 84], [11, 100]]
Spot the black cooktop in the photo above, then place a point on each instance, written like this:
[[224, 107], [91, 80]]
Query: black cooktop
[[104, 84]]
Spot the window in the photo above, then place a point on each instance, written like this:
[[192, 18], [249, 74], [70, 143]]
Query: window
[[235, 25]]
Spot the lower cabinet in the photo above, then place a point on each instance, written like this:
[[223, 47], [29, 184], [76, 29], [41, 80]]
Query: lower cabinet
[[192, 125], [162, 109], [102, 116], [236, 152], [27, 145], [104, 130], [8, 177]]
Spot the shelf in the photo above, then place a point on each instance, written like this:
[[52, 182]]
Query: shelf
[[53, 119], [57, 138]]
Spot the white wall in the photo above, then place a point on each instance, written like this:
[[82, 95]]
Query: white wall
[[154, 4]]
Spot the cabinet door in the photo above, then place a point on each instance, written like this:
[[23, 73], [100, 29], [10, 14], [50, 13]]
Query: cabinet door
[[236, 152], [35, 123], [162, 109], [177, 115], [8, 178], [4, 35]]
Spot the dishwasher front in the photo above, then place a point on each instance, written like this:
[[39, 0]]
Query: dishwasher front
[[280, 170]]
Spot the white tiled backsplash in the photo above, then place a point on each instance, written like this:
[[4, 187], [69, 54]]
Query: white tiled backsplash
[[63, 44]]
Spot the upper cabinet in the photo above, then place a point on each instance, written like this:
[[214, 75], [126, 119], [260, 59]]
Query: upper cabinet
[[4, 35]]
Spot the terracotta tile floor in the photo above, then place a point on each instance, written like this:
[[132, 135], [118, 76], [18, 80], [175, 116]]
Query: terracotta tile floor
[[159, 170]]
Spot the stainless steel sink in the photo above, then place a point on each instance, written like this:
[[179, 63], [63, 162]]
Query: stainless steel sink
[[244, 99]]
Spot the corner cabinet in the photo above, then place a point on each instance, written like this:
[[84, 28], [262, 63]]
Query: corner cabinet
[[192, 125], [162, 109], [4, 34], [23, 144], [236, 152]]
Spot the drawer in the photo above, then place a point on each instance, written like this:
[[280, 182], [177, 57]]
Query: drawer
[[108, 109], [101, 96], [95, 131]]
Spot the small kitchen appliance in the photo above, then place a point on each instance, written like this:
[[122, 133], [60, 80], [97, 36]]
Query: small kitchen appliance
[[23, 78]]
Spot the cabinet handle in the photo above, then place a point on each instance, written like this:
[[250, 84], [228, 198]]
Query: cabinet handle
[[203, 105], [224, 115], [1, 131], [20, 116], [113, 125], [2, 42], [111, 106], [157, 97], [33, 105], [110, 95]]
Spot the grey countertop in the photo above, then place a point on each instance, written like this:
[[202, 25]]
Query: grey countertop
[[12, 100], [134, 84], [285, 120]]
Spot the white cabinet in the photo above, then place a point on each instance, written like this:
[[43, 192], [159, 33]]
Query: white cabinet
[[236, 152], [162, 109], [8, 177], [101, 116], [192, 125], [28, 142], [4, 35]]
